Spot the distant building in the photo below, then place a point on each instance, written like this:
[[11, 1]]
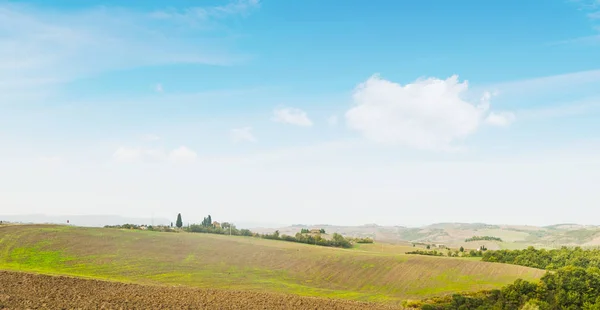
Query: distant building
[[216, 224]]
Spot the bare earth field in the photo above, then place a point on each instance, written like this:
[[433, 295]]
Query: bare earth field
[[369, 273], [30, 291]]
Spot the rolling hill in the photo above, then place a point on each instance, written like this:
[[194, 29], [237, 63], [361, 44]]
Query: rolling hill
[[245, 263], [454, 234]]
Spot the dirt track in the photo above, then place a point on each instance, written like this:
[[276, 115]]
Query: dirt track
[[31, 291]]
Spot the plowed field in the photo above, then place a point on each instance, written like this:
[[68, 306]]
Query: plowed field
[[31, 291]]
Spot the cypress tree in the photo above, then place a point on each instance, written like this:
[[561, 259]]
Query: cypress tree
[[179, 223]]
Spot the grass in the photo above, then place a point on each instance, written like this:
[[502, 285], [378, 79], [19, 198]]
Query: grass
[[369, 272]]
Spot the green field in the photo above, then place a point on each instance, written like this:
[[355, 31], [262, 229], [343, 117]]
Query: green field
[[370, 272]]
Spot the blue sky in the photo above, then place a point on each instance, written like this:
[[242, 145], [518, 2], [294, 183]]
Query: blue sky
[[394, 112]]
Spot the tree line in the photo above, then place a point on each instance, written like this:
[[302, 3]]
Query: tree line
[[210, 227], [568, 288], [449, 253], [479, 238], [572, 282], [428, 253], [546, 259], [337, 240], [307, 231], [207, 226], [361, 240]]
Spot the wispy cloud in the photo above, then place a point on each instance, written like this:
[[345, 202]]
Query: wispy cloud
[[593, 39], [501, 119], [196, 16], [561, 110], [242, 135], [50, 160], [592, 9], [291, 116], [151, 137], [181, 154], [332, 120], [41, 47], [548, 83]]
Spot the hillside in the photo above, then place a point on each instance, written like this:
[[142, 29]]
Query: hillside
[[216, 261], [454, 234]]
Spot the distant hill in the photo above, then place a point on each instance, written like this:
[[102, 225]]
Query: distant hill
[[455, 234], [82, 220], [450, 234]]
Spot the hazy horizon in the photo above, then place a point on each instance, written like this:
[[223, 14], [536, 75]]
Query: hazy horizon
[[274, 112], [99, 220]]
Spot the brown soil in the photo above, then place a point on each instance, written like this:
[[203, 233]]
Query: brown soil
[[32, 291]]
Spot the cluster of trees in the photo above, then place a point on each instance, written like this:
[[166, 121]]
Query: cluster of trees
[[568, 288], [337, 240], [124, 226], [429, 253], [486, 238], [361, 240], [207, 222], [546, 259], [223, 230], [207, 227], [307, 231], [456, 253], [227, 228]]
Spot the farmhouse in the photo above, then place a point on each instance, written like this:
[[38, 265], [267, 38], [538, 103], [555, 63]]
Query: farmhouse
[[315, 231], [216, 224]]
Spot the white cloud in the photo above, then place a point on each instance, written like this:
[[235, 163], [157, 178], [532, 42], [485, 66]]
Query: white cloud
[[159, 88], [242, 135], [291, 116], [595, 15], [153, 154], [501, 119], [182, 155], [151, 137], [426, 114], [127, 154], [332, 120]]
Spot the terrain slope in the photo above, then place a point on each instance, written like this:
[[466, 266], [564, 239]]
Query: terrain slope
[[245, 263]]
